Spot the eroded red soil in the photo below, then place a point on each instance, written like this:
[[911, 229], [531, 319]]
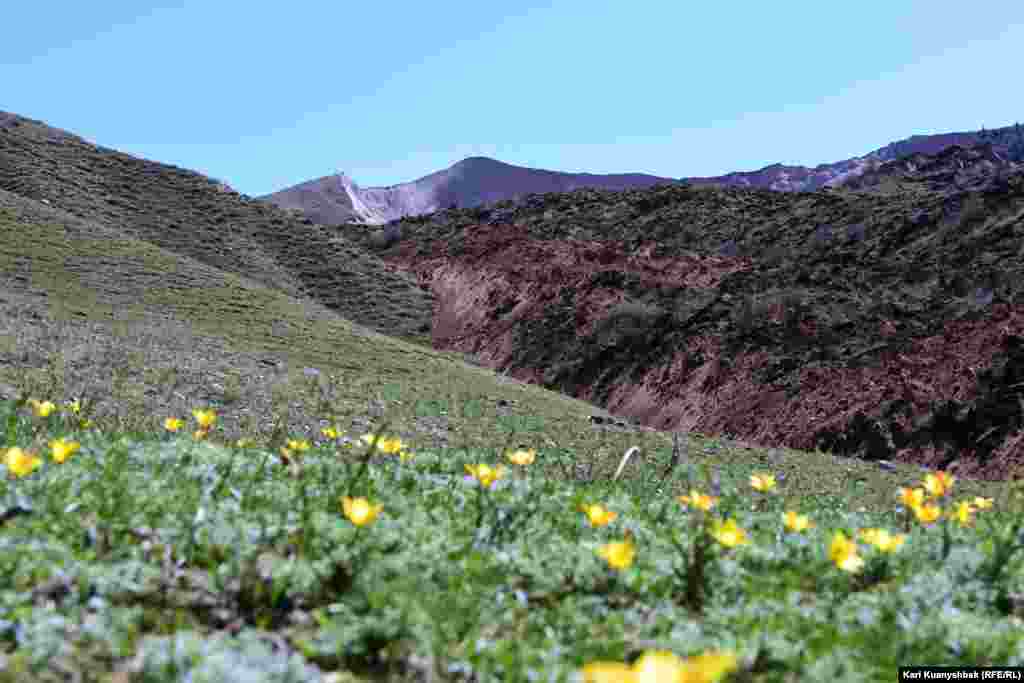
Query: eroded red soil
[[901, 339]]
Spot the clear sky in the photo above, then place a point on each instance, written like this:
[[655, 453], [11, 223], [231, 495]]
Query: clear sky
[[264, 95]]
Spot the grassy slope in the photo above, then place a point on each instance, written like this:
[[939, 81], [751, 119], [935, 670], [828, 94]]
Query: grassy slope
[[151, 328], [240, 285], [101, 193], [216, 328]]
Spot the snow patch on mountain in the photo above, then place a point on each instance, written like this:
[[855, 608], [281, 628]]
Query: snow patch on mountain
[[355, 197]]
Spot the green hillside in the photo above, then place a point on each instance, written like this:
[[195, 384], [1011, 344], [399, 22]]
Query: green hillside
[[133, 293]]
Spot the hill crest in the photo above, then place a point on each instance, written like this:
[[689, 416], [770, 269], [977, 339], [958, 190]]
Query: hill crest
[[471, 182]]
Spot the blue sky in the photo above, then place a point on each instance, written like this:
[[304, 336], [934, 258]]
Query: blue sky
[[266, 95]]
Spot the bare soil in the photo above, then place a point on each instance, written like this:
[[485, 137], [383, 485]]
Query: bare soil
[[885, 323]]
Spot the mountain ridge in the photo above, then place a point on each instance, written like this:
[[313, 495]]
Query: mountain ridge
[[471, 182], [480, 181]]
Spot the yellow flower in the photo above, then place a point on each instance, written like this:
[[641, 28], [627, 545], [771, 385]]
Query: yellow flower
[[486, 474], [392, 445], [661, 666], [619, 554], [598, 515], [172, 424], [657, 666], [21, 463], [962, 513], [795, 522], [63, 449], [42, 408], [300, 445], [868, 535], [359, 511], [910, 498], [200, 434], [384, 444], [523, 457], [708, 667], [982, 503], [928, 513], [698, 500], [608, 672], [729, 534], [882, 539], [294, 447], [330, 432], [850, 562], [843, 552], [205, 418], [762, 482], [938, 484]]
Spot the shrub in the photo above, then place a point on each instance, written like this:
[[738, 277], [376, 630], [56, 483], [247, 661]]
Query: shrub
[[774, 255], [822, 236], [630, 319], [973, 209], [393, 233], [385, 237], [792, 310], [855, 233], [746, 317]]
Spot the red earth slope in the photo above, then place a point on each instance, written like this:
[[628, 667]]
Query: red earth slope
[[881, 327]]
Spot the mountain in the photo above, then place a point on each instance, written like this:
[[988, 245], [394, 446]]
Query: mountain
[[1007, 145], [962, 168], [477, 181], [882, 322], [149, 291], [469, 183]]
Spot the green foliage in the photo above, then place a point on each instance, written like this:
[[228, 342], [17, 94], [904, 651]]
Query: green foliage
[[138, 552], [162, 556]]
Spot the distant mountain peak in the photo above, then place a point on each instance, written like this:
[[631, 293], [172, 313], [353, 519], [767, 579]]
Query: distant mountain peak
[[473, 181], [478, 159], [480, 180], [345, 178], [478, 163]]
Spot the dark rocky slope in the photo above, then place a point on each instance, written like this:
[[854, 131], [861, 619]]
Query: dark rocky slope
[[883, 325]]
